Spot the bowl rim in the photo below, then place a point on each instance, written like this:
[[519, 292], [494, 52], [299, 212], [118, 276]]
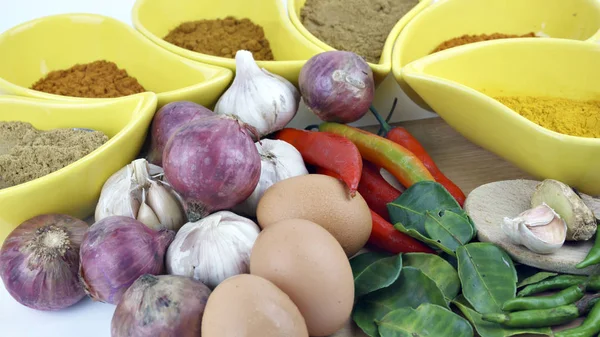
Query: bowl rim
[[146, 104], [399, 43], [386, 59], [415, 69], [221, 73], [211, 59]]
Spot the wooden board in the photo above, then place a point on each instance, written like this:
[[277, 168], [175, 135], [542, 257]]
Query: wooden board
[[465, 163], [507, 196]]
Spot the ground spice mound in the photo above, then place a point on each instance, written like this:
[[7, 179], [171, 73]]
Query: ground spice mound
[[222, 37], [359, 26], [99, 79], [27, 153], [466, 39], [566, 116]]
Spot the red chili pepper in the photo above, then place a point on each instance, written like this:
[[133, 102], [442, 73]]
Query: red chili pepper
[[388, 238], [329, 151], [376, 191], [400, 162], [401, 136]]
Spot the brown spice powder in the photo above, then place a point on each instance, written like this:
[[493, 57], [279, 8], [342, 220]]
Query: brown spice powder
[[222, 37], [466, 39], [27, 153], [99, 79], [359, 26]]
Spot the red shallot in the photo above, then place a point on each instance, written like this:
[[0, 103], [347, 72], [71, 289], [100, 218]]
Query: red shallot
[[39, 261], [116, 251]]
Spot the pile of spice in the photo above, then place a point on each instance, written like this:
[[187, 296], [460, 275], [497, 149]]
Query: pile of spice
[[27, 153], [99, 79], [466, 39], [359, 26], [222, 37], [566, 116]]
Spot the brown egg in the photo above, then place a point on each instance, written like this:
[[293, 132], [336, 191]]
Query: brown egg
[[323, 200], [251, 306], [307, 263]]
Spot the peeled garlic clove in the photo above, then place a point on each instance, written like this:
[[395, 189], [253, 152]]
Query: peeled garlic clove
[[147, 216], [540, 229], [165, 206]]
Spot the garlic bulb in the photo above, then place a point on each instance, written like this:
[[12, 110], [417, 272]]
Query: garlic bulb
[[279, 160], [213, 248], [136, 191], [258, 98], [540, 229]]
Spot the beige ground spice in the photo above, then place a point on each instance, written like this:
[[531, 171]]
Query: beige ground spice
[[27, 153], [359, 26]]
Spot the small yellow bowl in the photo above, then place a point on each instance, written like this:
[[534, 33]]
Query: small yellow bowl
[[31, 50], [381, 69], [155, 18], [75, 188], [459, 84], [447, 19]]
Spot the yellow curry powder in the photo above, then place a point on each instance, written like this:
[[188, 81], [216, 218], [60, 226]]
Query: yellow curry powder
[[566, 116]]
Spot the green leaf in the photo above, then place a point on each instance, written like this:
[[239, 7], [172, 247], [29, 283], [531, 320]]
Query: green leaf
[[411, 289], [374, 270], [428, 320], [437, 269], [449, 228], [539, 277], [415, 234], [410, 207], [487, 275], [488, 329]]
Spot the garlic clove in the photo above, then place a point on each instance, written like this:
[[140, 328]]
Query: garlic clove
[[147, 216], [118, 196], [165, 206], [540, 229]]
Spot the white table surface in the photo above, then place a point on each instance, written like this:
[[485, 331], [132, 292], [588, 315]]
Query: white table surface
[[87, 318]]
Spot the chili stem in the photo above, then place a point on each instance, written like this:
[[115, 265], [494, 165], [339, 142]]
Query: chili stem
[[384, 125]]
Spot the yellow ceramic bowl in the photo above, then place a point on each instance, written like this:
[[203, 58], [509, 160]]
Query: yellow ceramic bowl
[[447, 19], [75, 188], [459, 84], [381, 69], [155, 18], [31, 50]]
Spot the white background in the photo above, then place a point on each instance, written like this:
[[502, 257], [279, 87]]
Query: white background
[[93, 319]]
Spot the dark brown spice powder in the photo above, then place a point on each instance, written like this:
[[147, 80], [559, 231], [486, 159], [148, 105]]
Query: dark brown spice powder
[[466, 39], [222, 37], [99, 79]]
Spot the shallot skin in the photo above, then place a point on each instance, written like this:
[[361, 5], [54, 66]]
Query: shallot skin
[[167, 120], [212, 164], [116, 251], [42, 274], [337, 86], [165, 305]]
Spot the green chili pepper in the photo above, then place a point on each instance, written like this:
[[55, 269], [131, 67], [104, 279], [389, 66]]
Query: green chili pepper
[[564, 297], [544, 317], [593, 256], [589, 328], [396, 159], [561, 282]]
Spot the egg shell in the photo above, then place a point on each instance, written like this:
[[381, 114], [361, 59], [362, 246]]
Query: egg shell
[[309, 265], [251, 306], [323, 200]]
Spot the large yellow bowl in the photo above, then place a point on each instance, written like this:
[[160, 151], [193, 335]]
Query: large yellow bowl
[[447, 19], [31, 50], [75, 188], [381, 69], [459, 84], [155, 18]]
